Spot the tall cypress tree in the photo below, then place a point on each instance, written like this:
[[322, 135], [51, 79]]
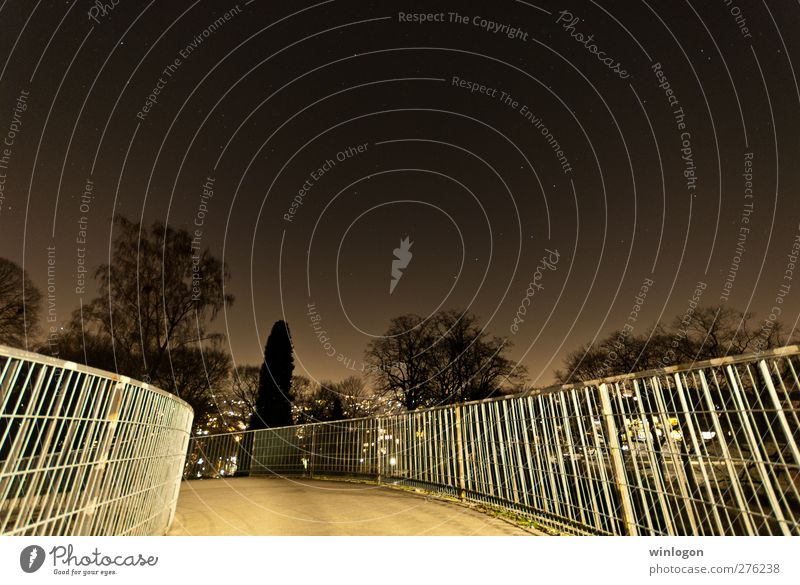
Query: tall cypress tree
[[274, 407]]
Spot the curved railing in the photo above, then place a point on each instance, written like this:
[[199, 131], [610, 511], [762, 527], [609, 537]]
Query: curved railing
[[709, 448], [86, 452]]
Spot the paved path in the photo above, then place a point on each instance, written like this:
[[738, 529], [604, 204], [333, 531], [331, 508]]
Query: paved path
[[288, 507]]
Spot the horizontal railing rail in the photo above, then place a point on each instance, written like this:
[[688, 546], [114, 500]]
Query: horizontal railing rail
[[709, 448], [86, 452]]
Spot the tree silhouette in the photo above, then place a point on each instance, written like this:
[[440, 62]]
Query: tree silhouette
[[323, 401], [151, 319], [273, 407], [444, 359], [704, 333], [20, 302]]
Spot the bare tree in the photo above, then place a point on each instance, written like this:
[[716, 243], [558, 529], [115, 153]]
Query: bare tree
[[470, 364], [357, 398], [717, 331], [446, 359], [618, 353], [400, 362], [315, 401], [20, 303], [244, 391], [704, 333], [151, 318], [232, 403]]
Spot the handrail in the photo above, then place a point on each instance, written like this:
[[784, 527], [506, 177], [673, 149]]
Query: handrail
[[697, 449], [84, 451]]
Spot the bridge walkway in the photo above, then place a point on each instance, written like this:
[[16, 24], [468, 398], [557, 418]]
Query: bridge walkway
[[303, 507]]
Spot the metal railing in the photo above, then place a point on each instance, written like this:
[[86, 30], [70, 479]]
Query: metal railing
[[709, 448], [86, 452]]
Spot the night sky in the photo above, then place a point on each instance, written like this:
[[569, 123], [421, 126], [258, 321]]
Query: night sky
[[607, 156]]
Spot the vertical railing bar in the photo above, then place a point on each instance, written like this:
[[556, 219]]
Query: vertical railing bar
[[649, 437], [793, 480], [61, 442], [462, 487], [779, 410], [619, 468], [674, 454], [517, 436], [755, 450], [62, 472], [581, 508], [510, 491], [488, 447], [7, 380], [23, 440], [633, 450], [701, 455], [726, 455], [57, 430], [82, 407], [470, 474], [522, 403], [775, 463], [542, 457], [588, 477], [742, 410], [601, 448], [549, 443]]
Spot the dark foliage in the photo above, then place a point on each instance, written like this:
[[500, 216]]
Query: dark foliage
[[445, 359], [20, 303], [274, 407], [151, 317]]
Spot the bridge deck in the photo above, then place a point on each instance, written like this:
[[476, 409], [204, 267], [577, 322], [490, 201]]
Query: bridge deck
[[289, 507]]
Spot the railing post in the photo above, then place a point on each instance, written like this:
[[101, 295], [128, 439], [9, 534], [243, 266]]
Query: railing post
[[97, 473], [462, 488], [616, 460], [780, 411], [313, 451], [378, 454]]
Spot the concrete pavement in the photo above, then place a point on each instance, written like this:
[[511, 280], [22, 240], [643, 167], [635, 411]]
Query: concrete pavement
[[302, 507]]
